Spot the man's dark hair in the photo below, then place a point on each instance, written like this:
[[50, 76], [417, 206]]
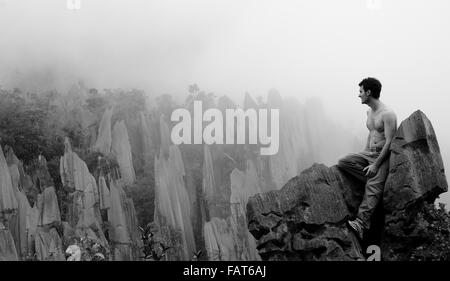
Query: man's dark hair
[[373, 85]]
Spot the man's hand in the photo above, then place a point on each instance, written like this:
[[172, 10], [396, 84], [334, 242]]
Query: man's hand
[[371, 170]]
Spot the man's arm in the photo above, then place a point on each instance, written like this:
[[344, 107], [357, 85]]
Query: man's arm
[[368, 143], [368, 137], [390, 127]]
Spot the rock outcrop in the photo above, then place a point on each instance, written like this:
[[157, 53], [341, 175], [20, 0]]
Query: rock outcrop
[[147, 140], [31, 225], [8, 212], [22, 223], [48, 245], [119, 235], [122, 150], [133, 227], [48, 207], [225, 195], [8, 201], [220, 240], [47, 242], [74, 172], [40, 175], [305, 220], [87, 201], [124, 234], [21, 183], [219, 229], [83, 191], [104, 139], [7, 247], [416, 176], [104, 194], [243, 186], [17, 223], [172, 204]]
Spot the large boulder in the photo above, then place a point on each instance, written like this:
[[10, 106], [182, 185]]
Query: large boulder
[[416, 169], [416, 176], [305, 220]]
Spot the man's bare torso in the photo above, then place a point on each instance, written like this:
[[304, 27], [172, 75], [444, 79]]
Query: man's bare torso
[[375, 124]]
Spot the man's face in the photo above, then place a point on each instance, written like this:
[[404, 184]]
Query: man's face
[[363, 95]]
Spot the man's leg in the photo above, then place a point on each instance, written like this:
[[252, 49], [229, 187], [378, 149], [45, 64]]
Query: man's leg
[[354, 164], [373, 192]]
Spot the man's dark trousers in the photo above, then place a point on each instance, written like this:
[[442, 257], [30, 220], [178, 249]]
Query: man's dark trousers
[[354, 164]]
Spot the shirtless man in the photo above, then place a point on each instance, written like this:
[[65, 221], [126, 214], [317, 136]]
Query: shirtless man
[[372, 165]]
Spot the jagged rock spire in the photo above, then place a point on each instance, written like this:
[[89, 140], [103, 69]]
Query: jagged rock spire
[[7, 247], [8, 209], [104, 139], [172, 204], [47, 204], [104, 194], [73, 170], [147, 141], [119, 233], [18, 221], [220, 240], [8, 201], [122, 150], [209, 182], [41, 175]]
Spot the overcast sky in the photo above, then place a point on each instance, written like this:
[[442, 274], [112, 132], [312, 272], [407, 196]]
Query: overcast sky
[[313, 48]]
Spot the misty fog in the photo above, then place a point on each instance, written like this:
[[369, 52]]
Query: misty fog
[[304, 49]]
